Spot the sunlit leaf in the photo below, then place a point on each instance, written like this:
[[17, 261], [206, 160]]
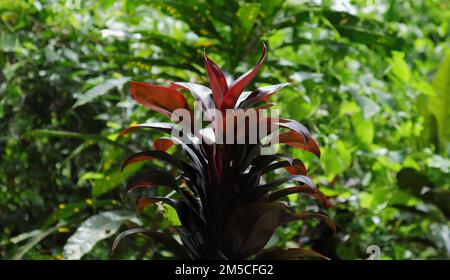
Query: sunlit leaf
[[93, 230]]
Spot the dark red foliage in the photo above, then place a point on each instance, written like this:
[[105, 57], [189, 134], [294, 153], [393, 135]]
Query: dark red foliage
[[225, 209]]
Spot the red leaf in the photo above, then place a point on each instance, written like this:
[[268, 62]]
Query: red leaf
[[162, 144], [297, 168], [305, 189], [160, 155], [217, 81], [297, 140], [238, 86], [164, 100], [151, 178], [137, 158]]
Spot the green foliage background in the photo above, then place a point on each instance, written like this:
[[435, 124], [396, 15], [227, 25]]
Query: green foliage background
[[370, 79]]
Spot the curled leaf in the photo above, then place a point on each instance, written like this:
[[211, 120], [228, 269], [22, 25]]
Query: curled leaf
[[155, 177], [297, 140], [150, 155], [162, 144]]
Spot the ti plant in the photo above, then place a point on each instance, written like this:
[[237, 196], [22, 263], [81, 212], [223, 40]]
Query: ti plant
[[226, 207]]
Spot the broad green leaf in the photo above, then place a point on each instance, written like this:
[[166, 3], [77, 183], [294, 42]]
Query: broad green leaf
[[399, 67], [100, 90], [438, 105], [336, 160], [93, 230], [111, 180], [366, 200], [424, 87], [364, 129], [349, 108]]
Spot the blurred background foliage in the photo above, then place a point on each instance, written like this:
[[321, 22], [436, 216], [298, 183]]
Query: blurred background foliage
[[370, 79]]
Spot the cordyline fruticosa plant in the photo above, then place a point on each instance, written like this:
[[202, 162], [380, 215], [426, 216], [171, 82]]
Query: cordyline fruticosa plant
[[225, 208]]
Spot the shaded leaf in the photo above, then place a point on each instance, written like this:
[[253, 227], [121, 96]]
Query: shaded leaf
[[438, 104], [152, 177], [259, 191], [251, 226]]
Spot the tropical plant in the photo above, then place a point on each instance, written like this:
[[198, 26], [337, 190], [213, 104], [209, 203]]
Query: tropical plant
[[365, 79], [226, 208]]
